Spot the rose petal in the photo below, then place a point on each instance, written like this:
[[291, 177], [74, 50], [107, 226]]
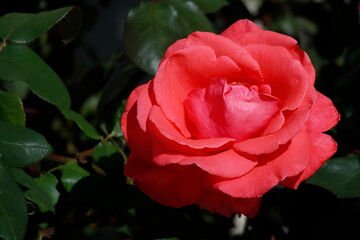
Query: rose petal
[[228, 110], [295, 121], [192, 68], [286, 76], [227, 164], [323, 116], [275, 124], [165, 133], [239, 28], [322, 147], [134, 96], [174, 186], [138, 141], [250, 69], [272, 169], [217, 202]]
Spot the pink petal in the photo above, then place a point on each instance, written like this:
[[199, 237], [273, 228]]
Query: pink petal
[[174, 186], [224, 110], [138, 141], [322, 147], [143, 106], [134, 96], [286, 76], [226, 164], [240, 28], [165, 133], [190, 69], [323, 115], [294, 122], [288, 160], [268, 38], [221, 47]]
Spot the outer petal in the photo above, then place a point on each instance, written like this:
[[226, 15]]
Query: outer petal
[[138, 141], [272, 169], [239, 28], [227, 164], [174, 186], [134, 96], [286, 76], [323, 116], [250, 69], [217, 202]]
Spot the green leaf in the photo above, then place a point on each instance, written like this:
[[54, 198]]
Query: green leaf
[[82, 123], [26, 27], [209, 6], [71, 174], [147, 35], [11, 109], [104, 149], [117, 121], [21, 146], [20, 63], [34, 192], [48, 183], [340, 175], [13, 209]]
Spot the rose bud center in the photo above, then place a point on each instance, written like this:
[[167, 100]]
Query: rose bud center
[[229, 110]]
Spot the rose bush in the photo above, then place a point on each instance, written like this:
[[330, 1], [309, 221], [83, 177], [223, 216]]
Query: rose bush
[[226, 118]]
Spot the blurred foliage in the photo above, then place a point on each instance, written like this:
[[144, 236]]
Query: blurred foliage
[[64, 75]]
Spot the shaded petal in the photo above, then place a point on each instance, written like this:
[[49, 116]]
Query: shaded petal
[[323, 116], [227, 164], [286, 76], [275, 124], [288, 160], [174, 186], [165, 133], [322, 147], [138, 141], [217, 202]]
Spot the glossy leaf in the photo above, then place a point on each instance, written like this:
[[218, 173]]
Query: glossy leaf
[[48, 183], [71, 174], [34, 193], [82, 123], [13, 210], [22, 146], [26, 27], [340, 175], [104, 149], [209, 6], [148, 34], [11, 109], [20, 63]]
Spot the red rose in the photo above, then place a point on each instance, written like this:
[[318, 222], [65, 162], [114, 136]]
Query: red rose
[[226, 118]]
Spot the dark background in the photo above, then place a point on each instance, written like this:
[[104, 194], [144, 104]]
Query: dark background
[[100, 207]]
